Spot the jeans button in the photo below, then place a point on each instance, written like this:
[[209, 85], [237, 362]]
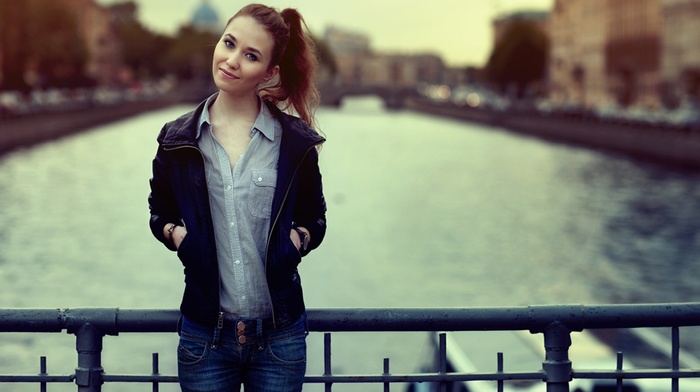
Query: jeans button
[[241, 339]]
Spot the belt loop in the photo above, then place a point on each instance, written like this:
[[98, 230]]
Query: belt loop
[[260, 327], [217, 330]]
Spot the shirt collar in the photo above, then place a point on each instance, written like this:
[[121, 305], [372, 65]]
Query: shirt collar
[[264, 123]]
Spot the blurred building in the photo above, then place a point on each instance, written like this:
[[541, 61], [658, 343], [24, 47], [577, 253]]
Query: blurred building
[[205, 18], [347, 48], [357, 65], [633, 51], [577, 42], [624, 52], [680, 51], [96, 27]]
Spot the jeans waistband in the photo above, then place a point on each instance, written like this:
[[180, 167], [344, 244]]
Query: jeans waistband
[[243, 331]]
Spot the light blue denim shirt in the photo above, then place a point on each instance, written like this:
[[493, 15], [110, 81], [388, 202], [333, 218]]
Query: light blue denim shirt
[[241, 204]]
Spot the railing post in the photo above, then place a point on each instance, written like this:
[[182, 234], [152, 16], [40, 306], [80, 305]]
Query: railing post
[[557, 366], [88, 374]]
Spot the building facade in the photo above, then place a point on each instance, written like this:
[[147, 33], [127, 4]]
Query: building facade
[[680, 69], [98, 32], [577, 42], [624, 52], [358, 65]]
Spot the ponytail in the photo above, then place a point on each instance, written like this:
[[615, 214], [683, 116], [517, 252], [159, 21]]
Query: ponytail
[[295, 53]]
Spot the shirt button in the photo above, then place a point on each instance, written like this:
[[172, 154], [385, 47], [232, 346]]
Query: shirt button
[[243, 297], [238, 262], [259, 179], [228, 187], [232, 224]]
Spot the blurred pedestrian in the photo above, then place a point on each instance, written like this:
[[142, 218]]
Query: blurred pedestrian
[[236, 191]]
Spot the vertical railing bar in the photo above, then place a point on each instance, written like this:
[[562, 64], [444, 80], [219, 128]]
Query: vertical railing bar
[[499, 361], [387, 388], [619, 369], [327, 372], [675, 355], [155, 371], [42, 372], [442, 353], [88, 374], [557, 366]]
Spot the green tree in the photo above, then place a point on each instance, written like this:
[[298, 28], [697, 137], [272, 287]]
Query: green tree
[[519, 59], [41, 39], [56, 45], [142, 49], [190, 55]]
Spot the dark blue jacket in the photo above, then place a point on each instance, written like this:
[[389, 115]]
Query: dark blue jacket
[[179, 195]]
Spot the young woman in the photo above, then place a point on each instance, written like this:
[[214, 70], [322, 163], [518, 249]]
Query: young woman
[[236, 191]]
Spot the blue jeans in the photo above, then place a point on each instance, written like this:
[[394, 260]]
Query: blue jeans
[[265, 359]]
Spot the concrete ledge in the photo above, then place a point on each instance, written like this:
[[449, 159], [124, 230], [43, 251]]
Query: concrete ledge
[[28, 130], [671, 145]]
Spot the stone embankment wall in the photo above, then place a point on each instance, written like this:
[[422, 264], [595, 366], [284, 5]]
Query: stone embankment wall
[[27, 130], [673, 145]]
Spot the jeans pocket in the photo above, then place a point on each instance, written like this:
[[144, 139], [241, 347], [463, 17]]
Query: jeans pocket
[[191, 351], [289, 350]]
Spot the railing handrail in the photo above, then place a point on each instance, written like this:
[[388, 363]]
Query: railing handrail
[[534, 318], [554, 322]]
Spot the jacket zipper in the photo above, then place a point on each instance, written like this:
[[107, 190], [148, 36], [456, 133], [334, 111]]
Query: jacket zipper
[[274, 223], [220, 316]]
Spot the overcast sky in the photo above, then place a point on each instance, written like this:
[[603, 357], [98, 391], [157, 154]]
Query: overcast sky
[[458, 30]]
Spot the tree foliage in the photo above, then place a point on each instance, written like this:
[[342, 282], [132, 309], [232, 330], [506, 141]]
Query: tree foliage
[[41, 45], [190, 55], [519, 59]]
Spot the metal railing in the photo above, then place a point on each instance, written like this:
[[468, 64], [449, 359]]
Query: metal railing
[[555, 322]]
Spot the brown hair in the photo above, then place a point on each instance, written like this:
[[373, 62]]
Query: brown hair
[[294, 52]]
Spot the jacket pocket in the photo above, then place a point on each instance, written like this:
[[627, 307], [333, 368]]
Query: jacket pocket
[[262, 190], [184, 253]]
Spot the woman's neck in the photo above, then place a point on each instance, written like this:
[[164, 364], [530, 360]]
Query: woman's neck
[[229, 108]]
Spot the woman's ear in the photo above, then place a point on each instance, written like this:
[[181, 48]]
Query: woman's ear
[[274, 71]]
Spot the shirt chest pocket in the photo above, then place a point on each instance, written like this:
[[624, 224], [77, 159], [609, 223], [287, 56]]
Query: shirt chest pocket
[[262, 190]]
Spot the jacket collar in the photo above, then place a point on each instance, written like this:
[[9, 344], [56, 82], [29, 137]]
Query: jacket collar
[[183, 130]]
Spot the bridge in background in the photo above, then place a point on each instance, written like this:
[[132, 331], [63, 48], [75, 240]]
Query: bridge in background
[[394, 97]]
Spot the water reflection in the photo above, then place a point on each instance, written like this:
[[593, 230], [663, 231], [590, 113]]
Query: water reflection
[[651, 231]]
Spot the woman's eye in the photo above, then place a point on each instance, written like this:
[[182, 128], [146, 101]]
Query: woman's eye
[[228, 44], [252, 57]]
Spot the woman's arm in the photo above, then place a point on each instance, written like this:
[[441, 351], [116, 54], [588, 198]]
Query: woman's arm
[[310, 209], [162, 204]]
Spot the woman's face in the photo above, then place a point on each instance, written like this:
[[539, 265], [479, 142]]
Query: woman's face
[[242, 57]]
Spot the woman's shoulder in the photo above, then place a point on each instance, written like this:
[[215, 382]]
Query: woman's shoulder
[[181, 128], [293, 125]]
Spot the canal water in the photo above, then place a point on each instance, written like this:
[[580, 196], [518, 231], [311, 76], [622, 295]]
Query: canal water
[[422, 212]]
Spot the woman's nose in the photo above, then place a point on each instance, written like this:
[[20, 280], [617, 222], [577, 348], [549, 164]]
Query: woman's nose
[[232, 62]]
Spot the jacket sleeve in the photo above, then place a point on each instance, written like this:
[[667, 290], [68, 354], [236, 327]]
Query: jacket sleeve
[[161, 201], [310, 209]]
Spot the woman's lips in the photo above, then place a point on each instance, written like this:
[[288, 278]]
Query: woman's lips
[[228, 74]]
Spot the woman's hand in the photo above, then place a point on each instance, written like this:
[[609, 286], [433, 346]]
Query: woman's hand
[[179, 234], [296, 237], [176, 234]]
